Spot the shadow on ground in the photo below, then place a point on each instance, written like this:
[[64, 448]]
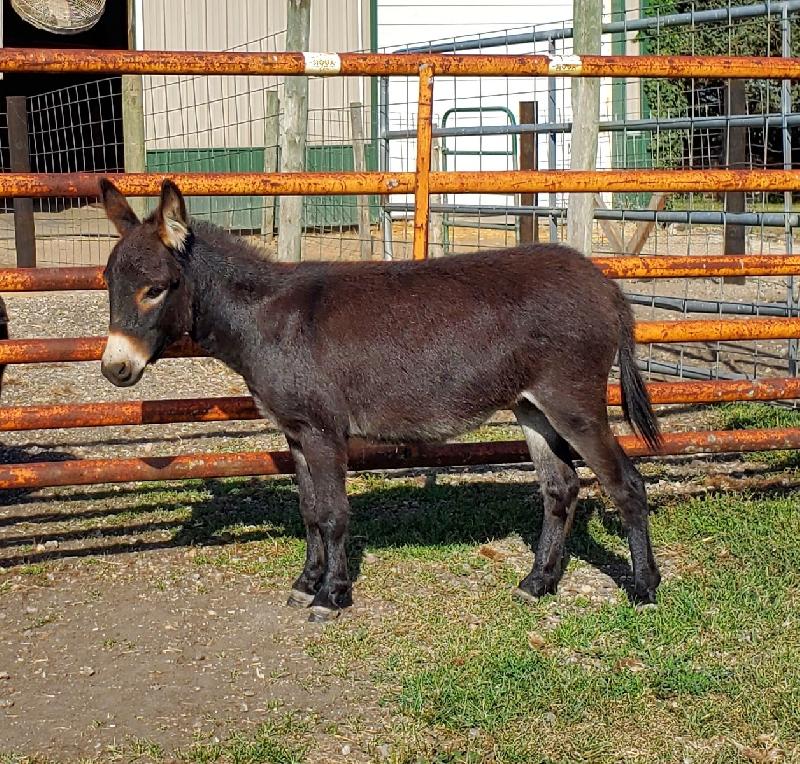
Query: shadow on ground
[[259, 509]]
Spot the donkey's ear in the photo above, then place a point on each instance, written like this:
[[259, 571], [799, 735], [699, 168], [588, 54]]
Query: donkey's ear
[[117, 208], [171, 217]]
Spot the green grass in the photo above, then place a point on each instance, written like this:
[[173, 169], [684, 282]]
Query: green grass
[[465, 674], [715, 666], [748, 416], [268, 745]]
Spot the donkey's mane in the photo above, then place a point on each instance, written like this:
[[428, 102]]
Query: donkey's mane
[[228, 244], [231, 256]]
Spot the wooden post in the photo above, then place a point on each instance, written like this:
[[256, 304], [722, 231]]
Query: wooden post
[[614, 237], [272, 131], [133, 118], [588, 17], [360, 165], [528, 160], [644, 228], [735, 158], [24, 228], [436, 225], [423, 175], [295, 127]]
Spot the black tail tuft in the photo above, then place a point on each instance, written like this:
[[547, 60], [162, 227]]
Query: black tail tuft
[[3, 333], [636, 404]]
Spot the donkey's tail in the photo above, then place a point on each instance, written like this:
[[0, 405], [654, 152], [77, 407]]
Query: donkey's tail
[[3, 333], [636, 405]]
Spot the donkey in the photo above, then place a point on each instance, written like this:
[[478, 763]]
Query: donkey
[[393, 351]]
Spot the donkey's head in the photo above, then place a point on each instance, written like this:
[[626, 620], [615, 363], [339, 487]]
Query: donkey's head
[[149, 299]]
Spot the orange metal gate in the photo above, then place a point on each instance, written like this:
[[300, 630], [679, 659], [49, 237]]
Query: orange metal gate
[[422, 183]]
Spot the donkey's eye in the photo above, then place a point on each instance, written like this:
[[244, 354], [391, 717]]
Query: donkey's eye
[[154, 292]]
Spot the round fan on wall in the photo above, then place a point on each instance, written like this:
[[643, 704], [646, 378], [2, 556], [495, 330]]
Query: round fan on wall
[[60, 16]]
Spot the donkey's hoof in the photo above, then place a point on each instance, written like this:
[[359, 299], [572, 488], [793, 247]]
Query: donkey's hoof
[[644, 596], [522, 596], [322, 614], [299, 599], [530, 590]]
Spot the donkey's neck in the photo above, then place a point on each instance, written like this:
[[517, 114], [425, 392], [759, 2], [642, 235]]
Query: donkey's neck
[[228, 279]]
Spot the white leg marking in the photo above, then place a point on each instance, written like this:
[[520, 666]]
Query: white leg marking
[[528, 396]]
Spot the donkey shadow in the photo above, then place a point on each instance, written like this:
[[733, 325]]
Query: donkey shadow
[[381, 518], [390, 518]]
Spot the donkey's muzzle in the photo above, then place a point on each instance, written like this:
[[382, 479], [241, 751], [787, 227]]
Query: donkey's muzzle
[[123, 360]]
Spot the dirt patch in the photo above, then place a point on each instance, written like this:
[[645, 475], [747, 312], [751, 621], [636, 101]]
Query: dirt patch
[[149, 646]]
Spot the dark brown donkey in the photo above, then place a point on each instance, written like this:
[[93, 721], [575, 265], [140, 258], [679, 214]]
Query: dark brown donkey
[[393, 351]]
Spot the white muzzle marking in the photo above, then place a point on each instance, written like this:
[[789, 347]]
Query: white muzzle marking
[[122, 348]]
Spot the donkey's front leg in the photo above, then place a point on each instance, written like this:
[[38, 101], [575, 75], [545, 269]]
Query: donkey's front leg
[[326, 457], [310, 580]]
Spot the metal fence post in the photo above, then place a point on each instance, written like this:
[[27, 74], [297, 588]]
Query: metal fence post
[[551, 138], [24, 227], [786, 107], [528, 160], [384, 158], [423, 174]]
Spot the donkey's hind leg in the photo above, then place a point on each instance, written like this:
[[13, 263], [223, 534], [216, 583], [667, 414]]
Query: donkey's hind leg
[[559, 485], [581, 418]]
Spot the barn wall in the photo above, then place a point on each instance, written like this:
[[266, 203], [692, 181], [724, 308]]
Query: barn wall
[[216, 112]]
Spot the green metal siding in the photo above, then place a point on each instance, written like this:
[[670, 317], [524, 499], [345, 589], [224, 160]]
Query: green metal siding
[[241, 213], [335, 211], [246, 212]]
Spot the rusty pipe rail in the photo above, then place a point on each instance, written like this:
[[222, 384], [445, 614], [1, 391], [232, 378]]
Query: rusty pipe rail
[[717, 330], [63, 61], [623, 267], [40, 185], [71, 349], [362, 457], [105, 414], [169, 411]]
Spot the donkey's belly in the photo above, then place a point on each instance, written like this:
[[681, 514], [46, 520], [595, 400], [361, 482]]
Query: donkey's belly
[[418, 423]]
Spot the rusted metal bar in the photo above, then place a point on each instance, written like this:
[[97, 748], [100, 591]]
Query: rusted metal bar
[[718, 391], [51, 279], [76, 349], [40, 185], [209, 184], [667, 266], [362, 457], [683, 266], [716, 442], [66, 416], [714, 330], [595, 181], [384, 64], [424, 141]]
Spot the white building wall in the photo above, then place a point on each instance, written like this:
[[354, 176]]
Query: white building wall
[[204, 112], [409, 22]]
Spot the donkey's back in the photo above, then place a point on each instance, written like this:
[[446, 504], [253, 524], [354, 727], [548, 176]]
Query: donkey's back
[[425, 349]]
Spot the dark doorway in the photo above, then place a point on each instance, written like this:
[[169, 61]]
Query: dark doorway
[[74, 120]]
